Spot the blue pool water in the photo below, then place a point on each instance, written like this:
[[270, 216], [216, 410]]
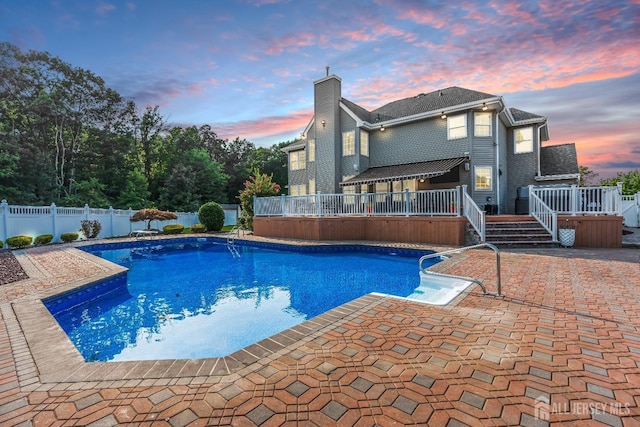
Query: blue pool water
[[197, 298]]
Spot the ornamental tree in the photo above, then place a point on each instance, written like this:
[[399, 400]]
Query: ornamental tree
[[259, 185], [152, 214]]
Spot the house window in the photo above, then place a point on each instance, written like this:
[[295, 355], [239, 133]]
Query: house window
[[297, 160], [312, 186], [348, 143], [523, 140], [311, 148], [482, 125], [297, 190], [483, 177], [364, 143], [457, 127]]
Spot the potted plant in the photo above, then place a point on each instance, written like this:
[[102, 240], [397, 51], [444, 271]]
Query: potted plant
[[567, 233]]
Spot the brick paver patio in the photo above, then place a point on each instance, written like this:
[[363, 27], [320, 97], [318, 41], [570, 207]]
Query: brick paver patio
[[561, 348]]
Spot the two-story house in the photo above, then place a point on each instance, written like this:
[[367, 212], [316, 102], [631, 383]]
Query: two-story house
[[441, 139]]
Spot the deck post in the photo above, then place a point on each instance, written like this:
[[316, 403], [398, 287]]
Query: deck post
[[283, 204], [574, 199], [406, 202], [318, 204]]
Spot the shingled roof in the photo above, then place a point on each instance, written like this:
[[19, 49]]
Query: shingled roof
[[558, 160], [440, 100]]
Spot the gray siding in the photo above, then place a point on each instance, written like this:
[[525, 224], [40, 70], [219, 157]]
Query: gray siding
[[415, 142], [346, 163], [522, 167], [483, 154], [327, 93]]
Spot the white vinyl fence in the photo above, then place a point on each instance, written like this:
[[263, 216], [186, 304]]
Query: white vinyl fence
[[56, 220], [631, 210]]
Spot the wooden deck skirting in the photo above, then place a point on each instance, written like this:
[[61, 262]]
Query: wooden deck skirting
[[603, 231], [416, 229]]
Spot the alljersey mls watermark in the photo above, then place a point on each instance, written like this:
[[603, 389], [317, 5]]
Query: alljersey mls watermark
[[543, 409]]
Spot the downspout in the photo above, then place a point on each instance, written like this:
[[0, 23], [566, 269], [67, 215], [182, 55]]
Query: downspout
[[540, 146], [498, 199]]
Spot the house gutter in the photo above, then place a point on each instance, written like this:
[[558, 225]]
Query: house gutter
[[498, 198]]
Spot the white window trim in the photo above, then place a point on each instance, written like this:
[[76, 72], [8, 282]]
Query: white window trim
[[364, 136], [515, 143], [475, 124], [312, 150], [352, 135], [475, 178], [300, 162], [449, 128]]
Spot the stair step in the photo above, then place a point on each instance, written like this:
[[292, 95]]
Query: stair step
[[518, 236]]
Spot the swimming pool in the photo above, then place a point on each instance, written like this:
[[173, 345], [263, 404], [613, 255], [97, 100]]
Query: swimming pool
[[196, 298]]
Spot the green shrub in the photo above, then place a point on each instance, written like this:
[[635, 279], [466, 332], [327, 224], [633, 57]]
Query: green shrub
[[1, 244], [90, 228], [211, 215], [173, 229], [69, 237], [198, 228], [19, 241], [43, 239]]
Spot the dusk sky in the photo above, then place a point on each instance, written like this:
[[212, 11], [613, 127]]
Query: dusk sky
[[247, 67]]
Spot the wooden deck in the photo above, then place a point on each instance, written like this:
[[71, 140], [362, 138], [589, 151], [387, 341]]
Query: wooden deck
[[604, 231]]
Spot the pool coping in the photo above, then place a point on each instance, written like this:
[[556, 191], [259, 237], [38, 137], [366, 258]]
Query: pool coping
[[54, 359]]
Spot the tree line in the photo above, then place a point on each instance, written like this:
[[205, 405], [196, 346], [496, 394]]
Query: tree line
[[66, 138]]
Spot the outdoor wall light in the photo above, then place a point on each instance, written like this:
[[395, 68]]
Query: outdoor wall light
[[443, 116], [484, 106], [323, 123], [381, 128]]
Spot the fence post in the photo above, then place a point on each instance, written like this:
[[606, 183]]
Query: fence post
[[318, 204], [464, 191], [130, 225], [4, 207], [406, 201], [54, 213], [111, 221], [283, 203], [574, 199], [458, 200], [86, 211], [366, 203]]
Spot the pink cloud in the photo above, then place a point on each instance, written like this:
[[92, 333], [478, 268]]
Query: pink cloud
[[290, 43], [265, 126]]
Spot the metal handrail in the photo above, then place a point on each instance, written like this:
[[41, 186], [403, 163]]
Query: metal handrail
[[471, 279], [235, 230]]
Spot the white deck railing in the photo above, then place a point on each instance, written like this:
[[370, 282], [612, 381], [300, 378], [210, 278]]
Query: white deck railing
[[576, 200], [474, 214], [407, 203], [544, 215]]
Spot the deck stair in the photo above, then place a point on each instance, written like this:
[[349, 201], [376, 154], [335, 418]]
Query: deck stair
[[516, 231]]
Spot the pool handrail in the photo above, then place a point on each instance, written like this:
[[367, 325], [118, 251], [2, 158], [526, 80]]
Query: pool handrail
[[466, 248]]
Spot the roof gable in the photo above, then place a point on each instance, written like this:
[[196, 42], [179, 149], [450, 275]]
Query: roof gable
[[558, 160]]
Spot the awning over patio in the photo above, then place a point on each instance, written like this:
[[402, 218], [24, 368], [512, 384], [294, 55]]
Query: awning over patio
[[420, 170]]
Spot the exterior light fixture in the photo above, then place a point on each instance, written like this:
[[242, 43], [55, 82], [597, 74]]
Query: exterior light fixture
[[443, 116], [381, 128], [484, 106], [323, 123]]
